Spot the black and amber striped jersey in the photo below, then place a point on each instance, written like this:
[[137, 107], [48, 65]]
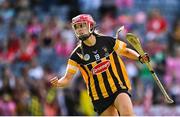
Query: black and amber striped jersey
[[101, 67]]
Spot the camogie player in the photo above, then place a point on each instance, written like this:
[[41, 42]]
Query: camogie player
[[98, 59]]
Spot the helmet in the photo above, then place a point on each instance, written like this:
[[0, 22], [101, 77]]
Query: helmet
[[84, 17], [89, 21]]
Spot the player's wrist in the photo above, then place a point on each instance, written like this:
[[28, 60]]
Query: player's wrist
[[144, 58], [140, 59]]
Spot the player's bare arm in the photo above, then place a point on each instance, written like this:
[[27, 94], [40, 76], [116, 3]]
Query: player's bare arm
[[122, 50], [132, 54], [129, 53], [66, 79]]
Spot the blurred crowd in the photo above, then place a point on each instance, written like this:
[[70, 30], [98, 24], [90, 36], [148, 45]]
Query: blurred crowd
[[36, 40]]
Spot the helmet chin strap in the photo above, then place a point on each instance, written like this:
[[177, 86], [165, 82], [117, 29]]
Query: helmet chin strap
[[84, 37]]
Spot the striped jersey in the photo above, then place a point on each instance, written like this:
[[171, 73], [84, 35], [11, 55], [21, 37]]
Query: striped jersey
[[101, 67]]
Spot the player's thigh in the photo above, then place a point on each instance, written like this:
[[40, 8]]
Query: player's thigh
[[110, 111], [123, 104]]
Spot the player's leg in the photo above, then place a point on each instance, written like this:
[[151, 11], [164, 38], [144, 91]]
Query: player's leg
[[110, 111], [124, 105]]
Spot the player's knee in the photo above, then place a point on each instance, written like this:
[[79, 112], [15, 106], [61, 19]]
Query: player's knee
[[127, 114], [110, 111], [127, 111]]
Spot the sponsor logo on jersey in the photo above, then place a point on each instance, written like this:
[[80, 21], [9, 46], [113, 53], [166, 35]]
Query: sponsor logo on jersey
[[101, 67]]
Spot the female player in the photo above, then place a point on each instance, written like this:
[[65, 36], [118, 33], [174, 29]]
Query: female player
[[98, 59]]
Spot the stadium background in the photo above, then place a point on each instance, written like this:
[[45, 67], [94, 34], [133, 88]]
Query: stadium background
[[36, 40]]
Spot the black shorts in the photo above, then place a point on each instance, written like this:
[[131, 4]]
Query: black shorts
[[101, 105]]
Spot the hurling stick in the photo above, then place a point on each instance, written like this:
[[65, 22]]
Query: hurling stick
[[134, 41]]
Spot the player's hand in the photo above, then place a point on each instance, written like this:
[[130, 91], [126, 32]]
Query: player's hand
[[54, 81], [144, 58]]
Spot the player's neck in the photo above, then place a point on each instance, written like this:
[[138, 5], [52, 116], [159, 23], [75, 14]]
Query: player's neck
[[91, 41]]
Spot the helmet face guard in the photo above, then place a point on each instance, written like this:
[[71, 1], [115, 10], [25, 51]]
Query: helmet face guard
[[82, 30], [84, 22]]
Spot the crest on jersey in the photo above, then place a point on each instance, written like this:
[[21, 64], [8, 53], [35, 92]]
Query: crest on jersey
[[105, 49], [86, 57]]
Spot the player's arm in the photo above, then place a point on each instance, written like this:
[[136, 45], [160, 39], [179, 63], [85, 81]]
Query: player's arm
[[121, 49], [64, 81], [129, 53]]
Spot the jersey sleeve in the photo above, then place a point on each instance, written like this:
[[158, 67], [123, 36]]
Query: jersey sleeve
[[119, 46], [73, 62], [72, 66]]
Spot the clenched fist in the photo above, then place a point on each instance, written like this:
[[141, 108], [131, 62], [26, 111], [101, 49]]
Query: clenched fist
[[144, 59], [54, 81]]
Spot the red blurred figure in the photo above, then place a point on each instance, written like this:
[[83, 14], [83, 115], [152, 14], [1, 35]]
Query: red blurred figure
[[156, 24]]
